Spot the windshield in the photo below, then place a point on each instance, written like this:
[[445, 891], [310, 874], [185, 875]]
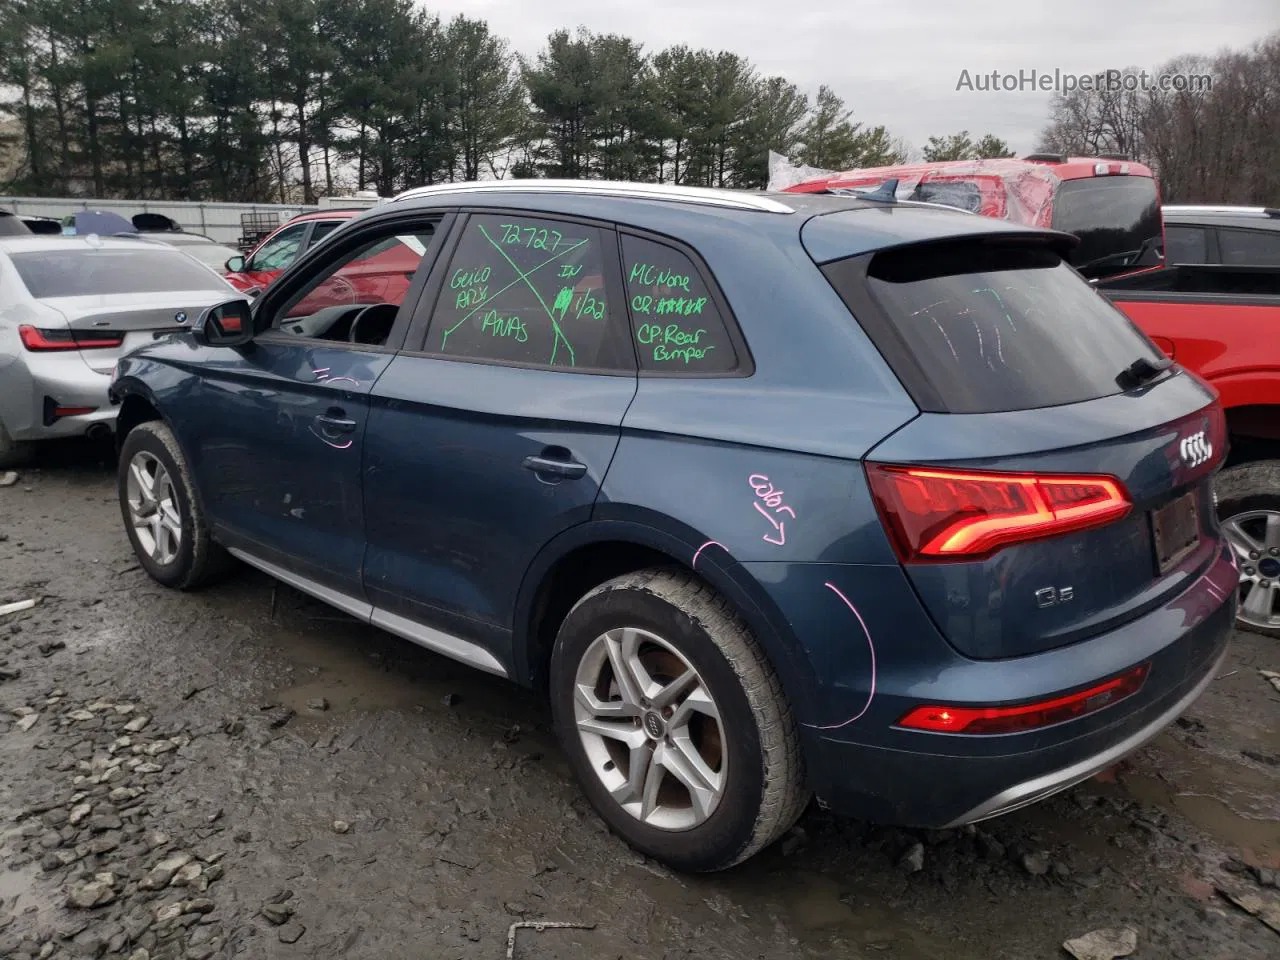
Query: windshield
[[87, 272], [991, 329], [1117, 220]]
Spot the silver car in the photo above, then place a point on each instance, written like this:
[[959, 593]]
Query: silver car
[[69, 308]]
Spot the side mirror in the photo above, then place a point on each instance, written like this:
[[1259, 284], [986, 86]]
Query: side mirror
[[228, 324], [234, 265]]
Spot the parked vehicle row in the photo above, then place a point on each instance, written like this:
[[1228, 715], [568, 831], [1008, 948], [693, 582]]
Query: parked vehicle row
[[1234, 236], [1112, 205], [70, 307], [1207, 292], [939, 545]]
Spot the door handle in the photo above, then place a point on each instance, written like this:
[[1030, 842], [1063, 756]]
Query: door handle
[[546, 466], [336, 424]]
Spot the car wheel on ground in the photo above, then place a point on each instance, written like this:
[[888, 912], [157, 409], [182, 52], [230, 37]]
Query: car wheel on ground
[[12, 452], [1249, 510], [675, 722], [161, 513]]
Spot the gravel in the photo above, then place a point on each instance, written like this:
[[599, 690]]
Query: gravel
[[426, 806]]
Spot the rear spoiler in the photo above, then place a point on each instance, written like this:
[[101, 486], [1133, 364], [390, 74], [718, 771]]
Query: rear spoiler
[[857, 231]]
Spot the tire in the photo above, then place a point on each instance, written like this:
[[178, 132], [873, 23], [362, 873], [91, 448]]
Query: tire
[[195, 560], [1247, 495], [13, 453], [672, 621]]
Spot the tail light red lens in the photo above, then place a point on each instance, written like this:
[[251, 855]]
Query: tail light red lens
[[936, 515], [40, 340], [1027, 716]]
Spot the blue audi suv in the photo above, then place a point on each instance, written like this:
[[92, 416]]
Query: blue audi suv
[[776, 496]]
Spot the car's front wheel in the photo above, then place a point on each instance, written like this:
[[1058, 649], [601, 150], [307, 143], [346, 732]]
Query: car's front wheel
[[674, 721], [161, 512]]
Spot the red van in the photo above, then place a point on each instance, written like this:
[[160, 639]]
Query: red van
[[1111, 204]]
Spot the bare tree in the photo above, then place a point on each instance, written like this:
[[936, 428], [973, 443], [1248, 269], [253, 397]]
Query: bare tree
[[1207, 142]]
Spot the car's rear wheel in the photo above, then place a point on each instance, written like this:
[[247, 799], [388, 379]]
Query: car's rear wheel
[[161, 513], [1249, 511], [674, 721]]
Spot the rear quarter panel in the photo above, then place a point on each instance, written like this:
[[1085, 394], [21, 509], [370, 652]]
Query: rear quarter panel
[[749, 477]]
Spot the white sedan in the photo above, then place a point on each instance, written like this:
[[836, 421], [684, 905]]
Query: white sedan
[[69, 308]]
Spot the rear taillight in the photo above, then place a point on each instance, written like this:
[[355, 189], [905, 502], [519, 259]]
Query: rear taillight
[[935, 515], [1027, 716], [41, 340]]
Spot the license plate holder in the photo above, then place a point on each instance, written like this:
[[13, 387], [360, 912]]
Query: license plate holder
[[1175, 530]]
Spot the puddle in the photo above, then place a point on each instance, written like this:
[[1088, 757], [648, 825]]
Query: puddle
[[811, 905], [16, 888], [357, 667], [1214, 816]]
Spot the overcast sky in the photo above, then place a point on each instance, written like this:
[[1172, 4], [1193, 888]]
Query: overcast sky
[[899, 63]]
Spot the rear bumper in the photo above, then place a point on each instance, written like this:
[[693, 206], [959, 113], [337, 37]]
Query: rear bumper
[[861, 764], [68, 381], [1047, 784]]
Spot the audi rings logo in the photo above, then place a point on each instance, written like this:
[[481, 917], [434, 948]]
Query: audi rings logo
[[1196, 449]]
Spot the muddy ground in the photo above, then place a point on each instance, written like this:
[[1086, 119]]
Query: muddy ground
[[245, 772]]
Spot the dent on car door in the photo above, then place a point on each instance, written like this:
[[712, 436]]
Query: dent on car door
[[285, 416], [496, 435]]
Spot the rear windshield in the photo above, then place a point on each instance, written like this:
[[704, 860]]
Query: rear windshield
[[1117, 220], [971, 328], [11, 226], [84, 272]]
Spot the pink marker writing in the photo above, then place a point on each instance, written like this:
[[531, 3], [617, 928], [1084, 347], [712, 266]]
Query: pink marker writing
[[871, 648]]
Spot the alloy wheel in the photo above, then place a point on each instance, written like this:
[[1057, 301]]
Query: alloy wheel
[[1255, 538], [153, 508], [651, 729]]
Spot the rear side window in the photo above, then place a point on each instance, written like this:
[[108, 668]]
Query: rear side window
[[675, 322], [86, 272], [952, 193], [974, 328], [323, 228], [531, 291], [1249, 248]]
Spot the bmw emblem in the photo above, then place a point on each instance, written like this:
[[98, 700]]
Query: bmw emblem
[[180, 317]]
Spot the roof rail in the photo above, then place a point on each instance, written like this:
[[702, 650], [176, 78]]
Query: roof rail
[[614, 188], [1225, 208], [1046, 157]]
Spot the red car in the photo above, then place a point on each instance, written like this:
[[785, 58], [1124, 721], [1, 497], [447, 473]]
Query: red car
[[269, 258], [1112, 205], [1219, 321], [380, 275]]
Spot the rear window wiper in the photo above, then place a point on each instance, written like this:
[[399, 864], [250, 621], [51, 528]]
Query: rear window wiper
[[1142, 371], [1122, 258]]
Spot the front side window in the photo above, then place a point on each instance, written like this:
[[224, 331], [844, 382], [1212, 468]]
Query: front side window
[[280, 251], [357, 297], [1185, 244], [525, 290]]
